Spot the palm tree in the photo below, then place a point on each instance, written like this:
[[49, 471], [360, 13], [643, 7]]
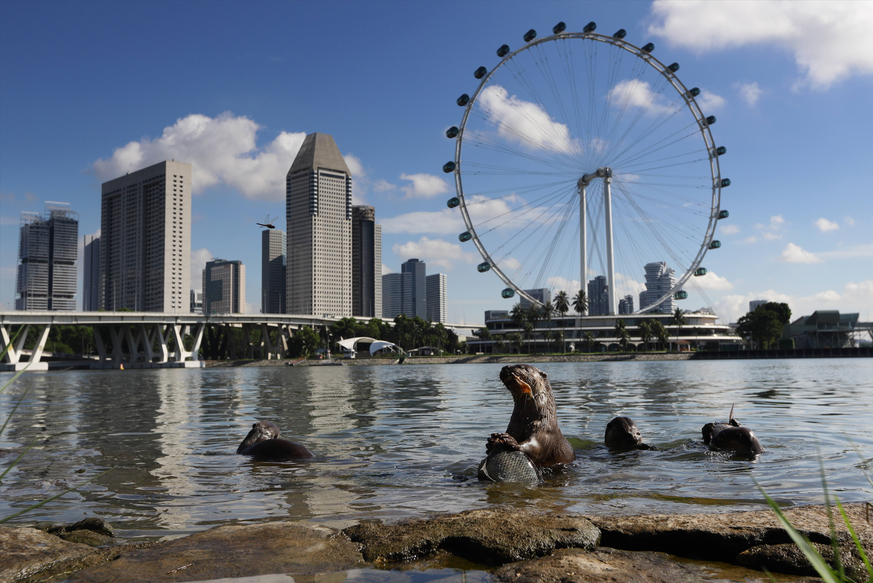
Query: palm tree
[[580, 303], [621, 334], [534, 315], [659, 332], [562, 305], [528, 333], [518, 315], [588, 337], [558, 335], [548, 310], [645, 331], [678, 319]]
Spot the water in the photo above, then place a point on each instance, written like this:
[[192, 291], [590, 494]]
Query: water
[[402, 441]]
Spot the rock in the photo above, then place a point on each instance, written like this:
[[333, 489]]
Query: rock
[[724, 537], [616, 566], [232, 551], [25, 552], [485, 536], [788, 558], [93, 531]]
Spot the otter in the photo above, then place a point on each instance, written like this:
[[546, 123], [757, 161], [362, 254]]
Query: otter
[[623, 433], [733, 437], [263, 443], [533, 426]]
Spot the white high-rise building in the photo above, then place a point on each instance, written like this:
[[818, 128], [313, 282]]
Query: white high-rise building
[[660, 280], [437, 304], [46, 278], [318, 208], [145, 240]]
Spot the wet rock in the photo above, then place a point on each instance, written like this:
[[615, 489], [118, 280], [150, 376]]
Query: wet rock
[[26, 552], [788, 558], [616, 566], [92, 531], [486, 536], [724, 537], [232, 551]]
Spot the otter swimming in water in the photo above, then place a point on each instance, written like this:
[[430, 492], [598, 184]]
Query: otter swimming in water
[[263, 443], [623, 433], [731, 436], [533, 426]]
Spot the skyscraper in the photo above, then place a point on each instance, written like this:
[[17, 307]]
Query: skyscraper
[[224, 287], [366, 263], [91, 274], [753, 305], [318, 210], [46, 278], [145, 240], [394, 300], [417, 287], [659, 281], [626, 305], [273, 249], [437, 305], [598, 296], [541, 294]]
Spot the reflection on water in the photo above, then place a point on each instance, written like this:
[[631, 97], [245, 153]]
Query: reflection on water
[[394, 441]]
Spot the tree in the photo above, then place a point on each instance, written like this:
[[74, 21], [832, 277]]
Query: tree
[[548, 310], [621, 334], [659, 332], [588, 337], [517, 315], [761, 326], [534, 314], [580, 303], [645, 331], [304, 342], [678, 319], [562, 305]]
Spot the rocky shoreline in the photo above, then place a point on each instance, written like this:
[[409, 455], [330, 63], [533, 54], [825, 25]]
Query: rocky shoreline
[[497, 543]]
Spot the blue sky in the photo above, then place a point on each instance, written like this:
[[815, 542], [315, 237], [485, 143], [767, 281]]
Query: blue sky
[[89, 90]]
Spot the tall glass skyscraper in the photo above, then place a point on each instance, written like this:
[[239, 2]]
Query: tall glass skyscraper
[[46, 278], [366, 263], [273, 249]]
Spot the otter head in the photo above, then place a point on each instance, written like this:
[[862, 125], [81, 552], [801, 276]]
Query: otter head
[[527, 383], [621, 433], [261, 431], [739, 440]]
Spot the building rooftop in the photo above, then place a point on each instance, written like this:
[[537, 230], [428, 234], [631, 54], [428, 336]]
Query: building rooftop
[[319, 151]]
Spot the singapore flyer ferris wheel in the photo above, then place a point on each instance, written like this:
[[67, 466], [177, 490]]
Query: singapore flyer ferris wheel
[[582, 155]]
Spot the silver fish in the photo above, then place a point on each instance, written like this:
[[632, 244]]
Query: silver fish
[[509, 466]]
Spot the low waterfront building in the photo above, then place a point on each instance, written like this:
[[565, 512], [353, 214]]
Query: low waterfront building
[[827, 329]]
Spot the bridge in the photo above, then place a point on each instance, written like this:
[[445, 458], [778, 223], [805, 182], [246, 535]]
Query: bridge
[[154, 339]]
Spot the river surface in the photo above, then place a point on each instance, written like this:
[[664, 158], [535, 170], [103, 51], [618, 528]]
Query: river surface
[[402, 441]]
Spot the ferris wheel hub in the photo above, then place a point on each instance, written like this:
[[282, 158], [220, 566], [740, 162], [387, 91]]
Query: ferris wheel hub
[[605, 172]]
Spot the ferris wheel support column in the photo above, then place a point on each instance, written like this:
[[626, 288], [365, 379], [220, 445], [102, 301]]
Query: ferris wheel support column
[[610, 262], [583, 234]]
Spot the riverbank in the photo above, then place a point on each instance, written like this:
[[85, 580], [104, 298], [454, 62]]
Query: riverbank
[[490, 544]]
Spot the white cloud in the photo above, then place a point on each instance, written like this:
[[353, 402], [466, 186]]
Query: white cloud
[[728, 229], [829, 40], [627, 284], [221, 150], [355, 166], [865, 250], [636, 93], [386, 270], [424, 185], [199, 257], [383, 185], [435, 252], [750, 92], [751, 239], [794, 254], [774, 230], [562, 283], [524, 122], [849, 220], [825, 225], [443, 222], [510, 264], [709, 101], [711, 281]]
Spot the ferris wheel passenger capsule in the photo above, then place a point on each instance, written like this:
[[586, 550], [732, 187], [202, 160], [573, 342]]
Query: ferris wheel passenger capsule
[[465, 236], [453, 132], [509, 292], [680, 295], [725, 182], [674, 67], [649, 48], [700, 271], [720, 151], [723, 214], [453, 202], [693, 92], [715, 244], [530, 35], [590, 27], [480, 72], [710, 120], [449, 167], [620, 34], [503, 51], [557, 29], [483, 267], [463, 100]]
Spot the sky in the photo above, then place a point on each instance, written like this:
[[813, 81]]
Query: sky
[[91, 90]]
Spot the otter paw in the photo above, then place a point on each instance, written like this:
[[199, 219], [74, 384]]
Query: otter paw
[[501, 442]]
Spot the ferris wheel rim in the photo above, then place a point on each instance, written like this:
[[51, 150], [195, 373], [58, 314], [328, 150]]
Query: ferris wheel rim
[[690, 103]]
